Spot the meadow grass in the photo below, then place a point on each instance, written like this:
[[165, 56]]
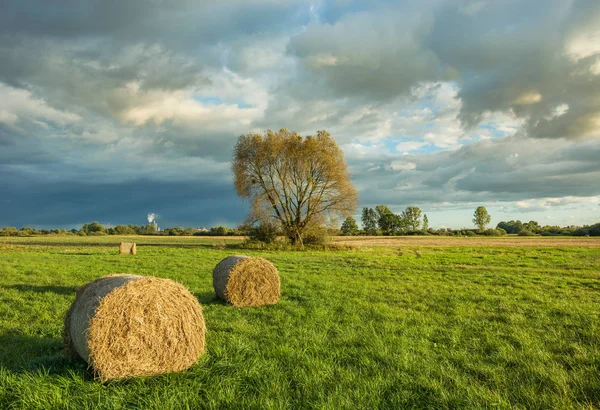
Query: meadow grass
[[394, 327]]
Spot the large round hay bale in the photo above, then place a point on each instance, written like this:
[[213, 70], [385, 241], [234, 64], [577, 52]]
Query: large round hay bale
[[245, 281], [127, 325]]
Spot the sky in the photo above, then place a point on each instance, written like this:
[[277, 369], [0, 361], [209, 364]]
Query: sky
[[110, 109]]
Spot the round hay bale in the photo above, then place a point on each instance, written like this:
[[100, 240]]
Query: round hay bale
[[127, 325], [245, 281]]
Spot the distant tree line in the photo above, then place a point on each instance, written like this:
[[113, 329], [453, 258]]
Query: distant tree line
[[379, 221], [534, 228], [382, 221], [97, 229]]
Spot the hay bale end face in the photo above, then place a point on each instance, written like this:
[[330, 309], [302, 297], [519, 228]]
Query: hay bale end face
[[126, 248], [126, 325], [246, 281]]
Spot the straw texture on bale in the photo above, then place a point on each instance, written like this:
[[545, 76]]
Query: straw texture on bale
[[246, 281], [127, 325], [127, 248]]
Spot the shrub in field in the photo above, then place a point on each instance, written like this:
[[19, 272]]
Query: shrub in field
[[123, 230], [316, 236], [526, 233], [219, 231], [494, 232], [265, 232], [9, 231]]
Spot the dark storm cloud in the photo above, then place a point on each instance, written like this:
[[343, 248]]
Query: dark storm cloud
[[69, 203], [181, 141], [174, 22]]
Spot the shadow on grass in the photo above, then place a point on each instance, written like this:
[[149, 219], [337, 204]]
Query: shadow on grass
[[69, 244], [33, 354], [59, 290], [209, 298], [192, 246], [138, 244]]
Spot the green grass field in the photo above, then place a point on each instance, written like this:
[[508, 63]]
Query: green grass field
[[395, 327]]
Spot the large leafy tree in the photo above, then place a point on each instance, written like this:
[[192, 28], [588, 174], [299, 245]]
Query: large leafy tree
[[349, 227], [411, 218], [481, 218], [369, 221], [388, 222], [298, 182]]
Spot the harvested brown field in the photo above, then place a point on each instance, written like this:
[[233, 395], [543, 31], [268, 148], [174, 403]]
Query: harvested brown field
[[470, 241], [127, 325]]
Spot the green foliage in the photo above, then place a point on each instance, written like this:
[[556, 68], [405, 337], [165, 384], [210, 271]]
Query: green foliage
[[349, 227], [593, 230], [532, 226], [219, 231], [427, 327], [511, 227], [411, 218], [9, 231], [481, 218], [123, 230], [92, 229], [425, 223], [148, 229], [264, 232], [494, 232], [178, 231], [318, 236], [27, 231], [388, 222], [526, 233], [369, 220]]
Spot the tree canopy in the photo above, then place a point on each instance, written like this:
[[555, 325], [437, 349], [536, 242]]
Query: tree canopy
[[298, 182], [481, 218], [349, 227], [369, 221], [411, 217]]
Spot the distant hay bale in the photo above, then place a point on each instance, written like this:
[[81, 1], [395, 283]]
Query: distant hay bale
[[127, 325], [246, 281], [126, 248]]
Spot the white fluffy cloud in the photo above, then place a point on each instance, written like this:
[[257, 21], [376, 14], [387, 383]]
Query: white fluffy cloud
[[18, 105]]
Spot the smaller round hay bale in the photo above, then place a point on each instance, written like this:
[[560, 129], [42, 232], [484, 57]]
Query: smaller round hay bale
[[245, 281], [127, 325], [127, 248]]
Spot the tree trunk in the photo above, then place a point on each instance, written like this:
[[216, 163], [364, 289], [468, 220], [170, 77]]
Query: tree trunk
[[296, 239]]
